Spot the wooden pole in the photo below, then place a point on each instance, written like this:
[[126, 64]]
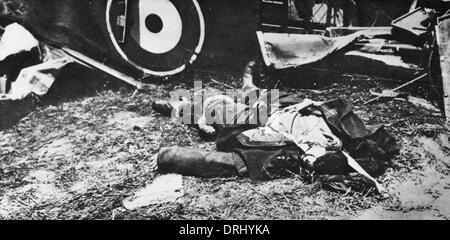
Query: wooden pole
[[397, 88]]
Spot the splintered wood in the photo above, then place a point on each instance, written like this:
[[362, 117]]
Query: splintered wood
[[443, 40]]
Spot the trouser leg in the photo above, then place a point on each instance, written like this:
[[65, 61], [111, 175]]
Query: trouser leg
[[200, 163]]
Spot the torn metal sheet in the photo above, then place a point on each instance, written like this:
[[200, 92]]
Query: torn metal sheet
[[391, 60], [414, 22], [16, 39], [35, 79], [344, 31], [383, 46], [39, 78], [283, 50]]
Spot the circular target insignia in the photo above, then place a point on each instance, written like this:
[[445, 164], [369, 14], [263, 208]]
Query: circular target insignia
[[160, 26], [159, 37]]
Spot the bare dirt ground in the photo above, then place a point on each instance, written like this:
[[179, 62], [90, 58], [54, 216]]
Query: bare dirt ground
[[80, 156]]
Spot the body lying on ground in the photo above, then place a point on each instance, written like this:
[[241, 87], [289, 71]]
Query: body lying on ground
[[298, 136]]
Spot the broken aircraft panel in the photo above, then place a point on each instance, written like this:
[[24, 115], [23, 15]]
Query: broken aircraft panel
[[144, 38]]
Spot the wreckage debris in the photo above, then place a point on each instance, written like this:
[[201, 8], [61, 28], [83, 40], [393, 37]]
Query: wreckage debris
[[39, 78], [16, 39], [392, 93], [409, 35], [285, 50], [279, 50]]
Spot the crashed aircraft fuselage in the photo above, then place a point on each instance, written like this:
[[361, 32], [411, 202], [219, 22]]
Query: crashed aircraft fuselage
[[162, 37], [157, 37]]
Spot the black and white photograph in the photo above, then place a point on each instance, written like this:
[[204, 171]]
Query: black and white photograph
[[224, 110]]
